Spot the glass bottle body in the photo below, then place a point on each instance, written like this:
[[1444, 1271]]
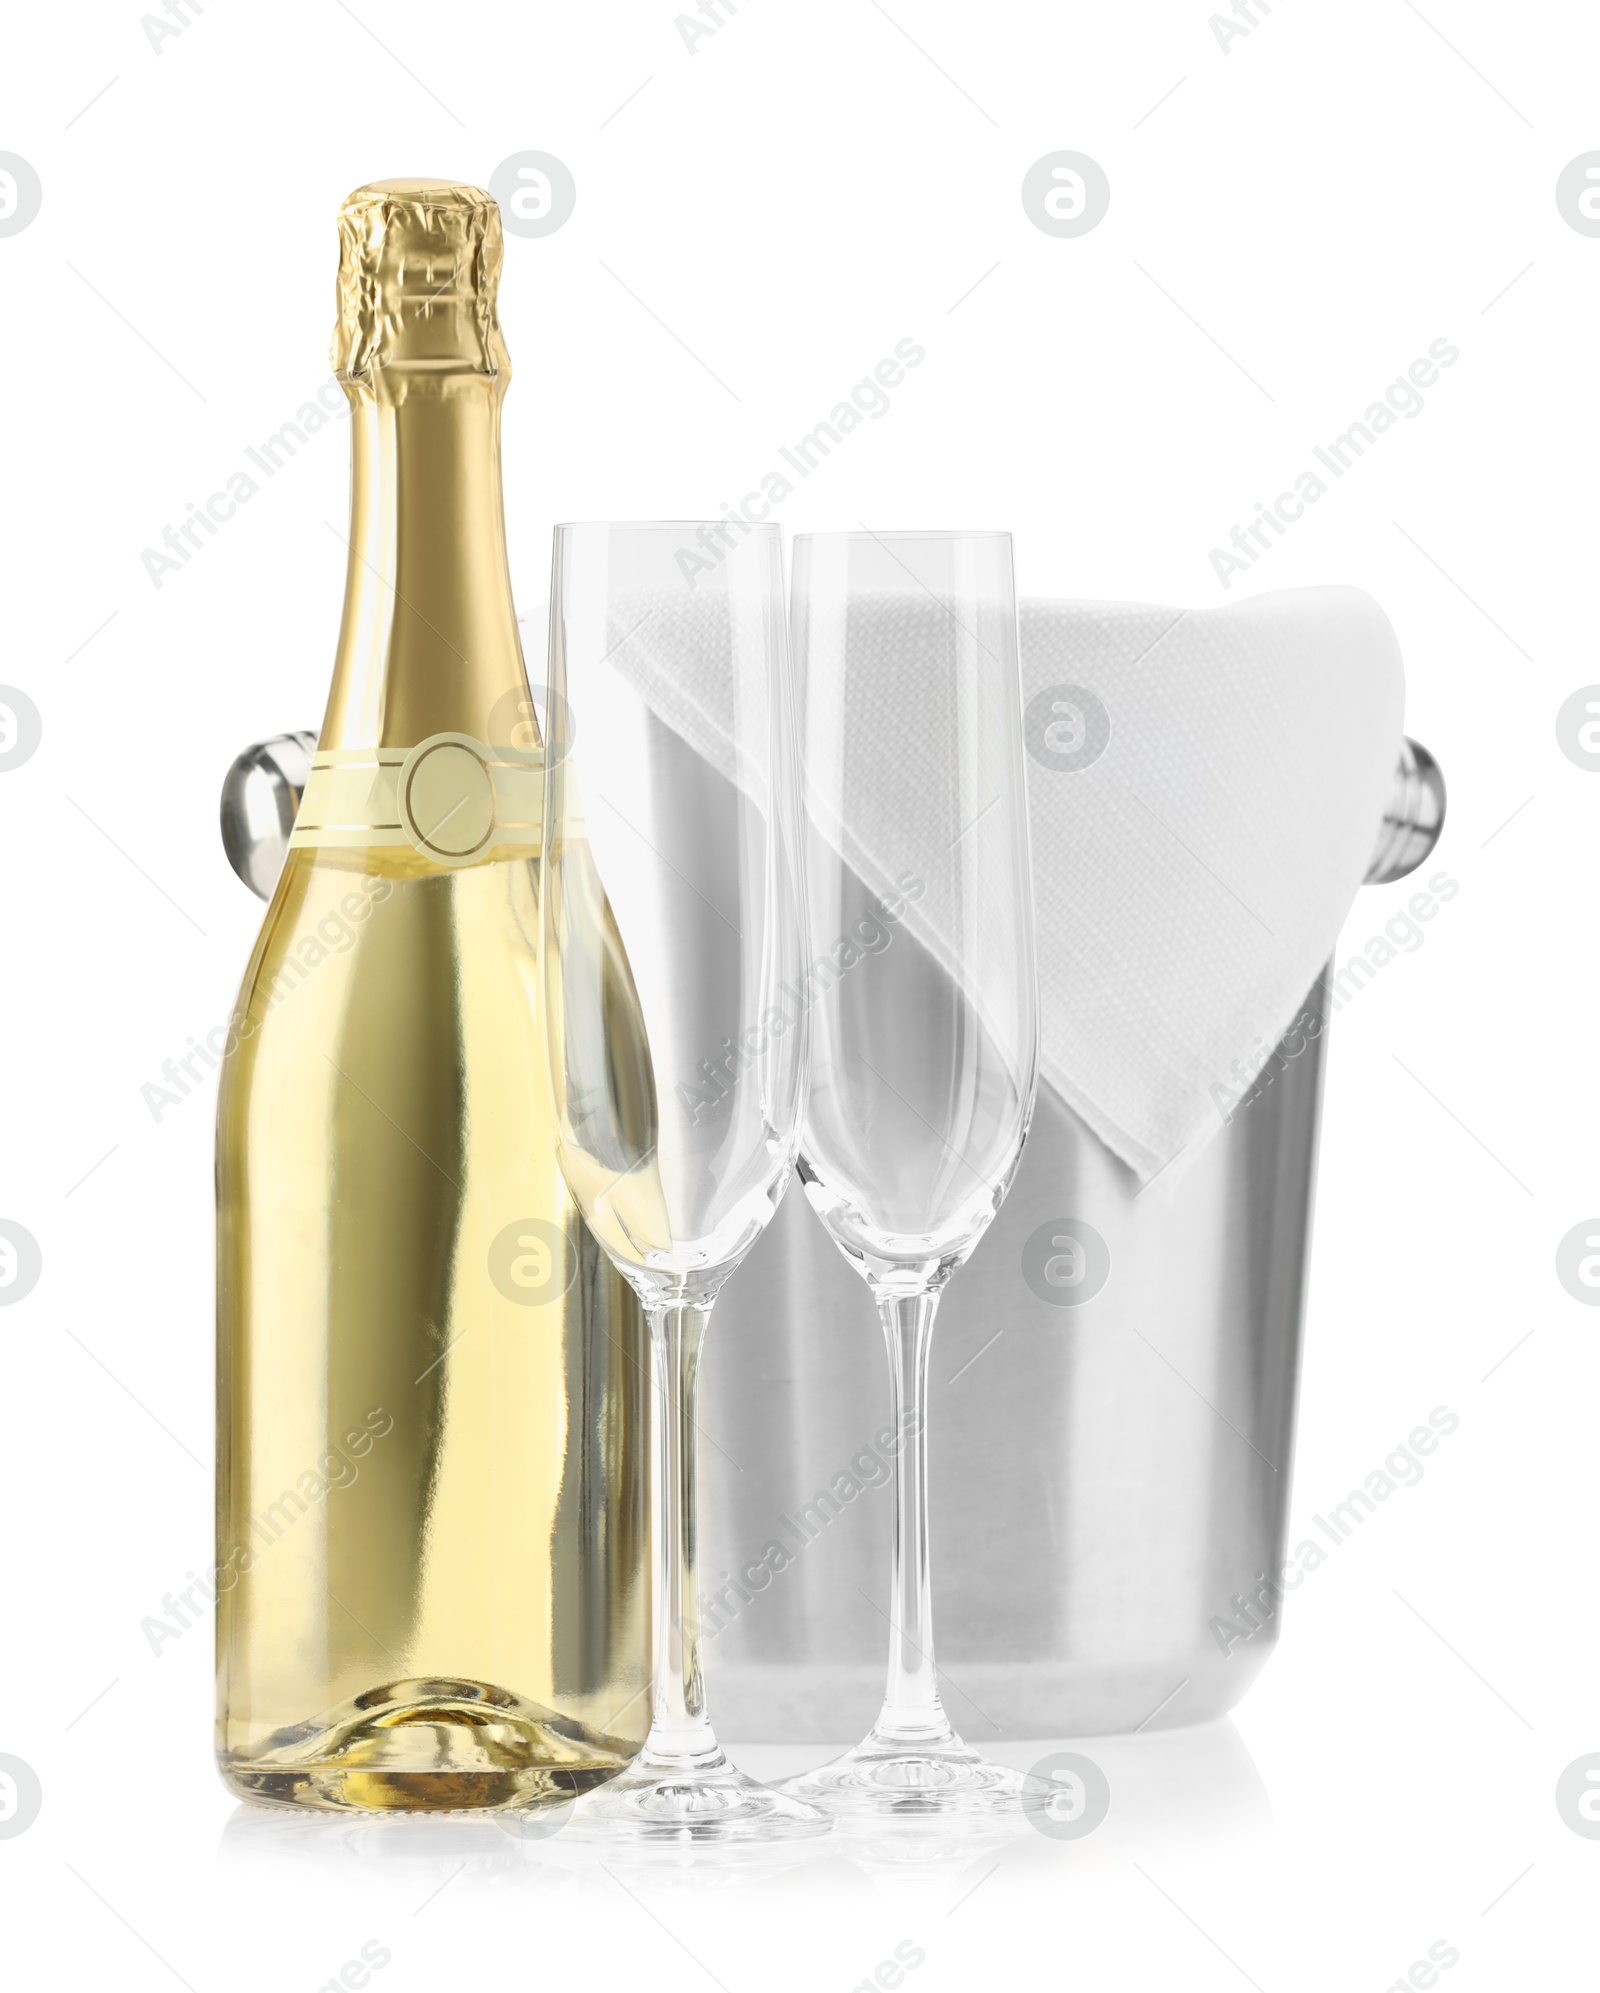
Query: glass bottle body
[[433, 1387]]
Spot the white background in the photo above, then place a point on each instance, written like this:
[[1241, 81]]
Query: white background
[[1340, 188]]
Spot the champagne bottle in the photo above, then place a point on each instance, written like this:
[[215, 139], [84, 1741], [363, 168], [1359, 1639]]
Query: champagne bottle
[[432, 1552]]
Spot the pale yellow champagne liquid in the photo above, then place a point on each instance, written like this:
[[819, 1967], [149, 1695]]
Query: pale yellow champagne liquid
[[433, 1516]]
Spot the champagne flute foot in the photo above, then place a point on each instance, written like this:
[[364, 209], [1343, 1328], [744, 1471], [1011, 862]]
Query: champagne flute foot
[[680, 1804], [907, 1780]]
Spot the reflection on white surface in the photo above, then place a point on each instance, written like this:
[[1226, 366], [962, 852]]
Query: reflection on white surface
[[1171, 1791]]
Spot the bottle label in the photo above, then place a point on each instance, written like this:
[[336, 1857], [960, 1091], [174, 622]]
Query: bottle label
[[450, 798]]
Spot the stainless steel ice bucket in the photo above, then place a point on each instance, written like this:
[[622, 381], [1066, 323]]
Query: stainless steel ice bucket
[[1111, 1421]]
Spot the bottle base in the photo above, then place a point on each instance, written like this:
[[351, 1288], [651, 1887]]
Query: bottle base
[[427, 1746]]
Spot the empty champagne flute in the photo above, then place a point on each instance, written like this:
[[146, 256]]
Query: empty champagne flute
[[923, 1002], [670, 928]]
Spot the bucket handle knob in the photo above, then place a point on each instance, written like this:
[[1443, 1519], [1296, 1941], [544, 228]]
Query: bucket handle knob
[[1414, 817]]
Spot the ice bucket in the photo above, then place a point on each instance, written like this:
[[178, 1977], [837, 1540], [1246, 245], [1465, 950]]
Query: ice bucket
[[1112, 1414]]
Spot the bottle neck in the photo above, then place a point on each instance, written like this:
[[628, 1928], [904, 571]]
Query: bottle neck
[[429, 640]]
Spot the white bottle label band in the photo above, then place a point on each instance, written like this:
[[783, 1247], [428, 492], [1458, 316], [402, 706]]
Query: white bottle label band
[[450, 798]]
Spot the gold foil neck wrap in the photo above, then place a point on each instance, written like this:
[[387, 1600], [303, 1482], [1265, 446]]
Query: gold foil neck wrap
[[419, 272]]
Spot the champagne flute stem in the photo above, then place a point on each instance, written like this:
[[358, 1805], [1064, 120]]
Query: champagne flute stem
[[911, 1712], [680, 1732]]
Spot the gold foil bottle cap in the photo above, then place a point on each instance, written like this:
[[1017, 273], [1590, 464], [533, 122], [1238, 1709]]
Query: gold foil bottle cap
[[419, 271]]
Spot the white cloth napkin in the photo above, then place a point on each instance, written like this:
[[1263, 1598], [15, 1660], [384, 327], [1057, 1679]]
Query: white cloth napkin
[[1191, 881], [1205, 792]]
